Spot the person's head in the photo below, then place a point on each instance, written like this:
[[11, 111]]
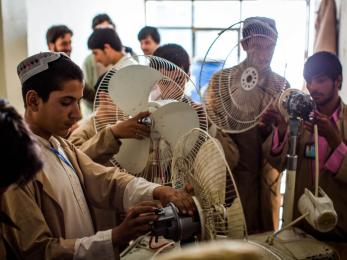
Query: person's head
[[174, 53], [58, 39], [106, 46], [323, 75], [52, 86], [259, 37], [101, 21], [18, 146], [149, 39]]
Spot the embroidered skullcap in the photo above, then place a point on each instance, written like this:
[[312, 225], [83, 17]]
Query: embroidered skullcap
[[259, 26], [37, 63]]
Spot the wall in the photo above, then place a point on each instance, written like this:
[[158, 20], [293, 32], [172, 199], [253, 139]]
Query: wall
[[13, 48], [342, 13]]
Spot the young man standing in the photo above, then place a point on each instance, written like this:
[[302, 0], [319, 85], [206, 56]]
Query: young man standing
[[55, 209], [149, 39], [107, 48], [259, 42], [323, 75], [58, 39]]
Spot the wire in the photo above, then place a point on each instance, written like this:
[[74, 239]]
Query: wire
[[158, 247], [316, 153], [132, 245], [161, 249], [271, 238]]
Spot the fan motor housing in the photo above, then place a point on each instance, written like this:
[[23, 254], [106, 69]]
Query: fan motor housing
[[173, 225]]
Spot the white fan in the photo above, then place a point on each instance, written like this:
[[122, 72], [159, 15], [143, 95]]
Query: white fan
[[198, 161], [154, 85], [240, 92], [198, 164]]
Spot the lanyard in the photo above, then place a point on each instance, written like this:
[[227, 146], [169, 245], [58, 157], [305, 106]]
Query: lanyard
[[61, 157]]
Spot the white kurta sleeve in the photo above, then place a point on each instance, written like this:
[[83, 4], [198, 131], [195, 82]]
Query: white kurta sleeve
[[98, 246], [138, 190]]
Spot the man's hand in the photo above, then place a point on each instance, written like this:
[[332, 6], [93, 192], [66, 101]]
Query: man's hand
[[182, 200], [136, 223], [272, 117], [326, 129], [131, 128]]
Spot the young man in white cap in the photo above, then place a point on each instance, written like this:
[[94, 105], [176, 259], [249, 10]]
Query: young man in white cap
[[259, 41], [54, 211]]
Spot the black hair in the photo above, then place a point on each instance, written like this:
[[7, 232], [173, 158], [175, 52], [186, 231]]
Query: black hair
[[174, 53], [149, 31], [100, 18], [57, 31], [51, 79], [322, 63], [100, 37], [19, 154]]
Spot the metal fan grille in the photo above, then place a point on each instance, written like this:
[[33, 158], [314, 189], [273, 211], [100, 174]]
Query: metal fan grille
[[198, 160], [171, 87], [237, 95], [237, 108]]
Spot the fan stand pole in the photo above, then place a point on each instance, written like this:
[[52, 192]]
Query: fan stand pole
[[316, 153], [288, 203]]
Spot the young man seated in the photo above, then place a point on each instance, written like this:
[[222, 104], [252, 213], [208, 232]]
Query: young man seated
[[54, 211]]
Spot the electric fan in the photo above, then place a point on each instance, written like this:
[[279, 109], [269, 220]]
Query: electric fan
[[240, 92], [198, 164], [154, 85]]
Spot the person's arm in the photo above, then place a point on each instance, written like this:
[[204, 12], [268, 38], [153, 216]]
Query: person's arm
[[336, 163], [100, 147], [33, 239]]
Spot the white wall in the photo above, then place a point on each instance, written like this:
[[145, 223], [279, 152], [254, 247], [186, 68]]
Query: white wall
[[342, 13], [13, 49], [128, 15]]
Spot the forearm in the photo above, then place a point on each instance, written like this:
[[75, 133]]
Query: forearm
[[144, 192], [99, 246], [101, 147]]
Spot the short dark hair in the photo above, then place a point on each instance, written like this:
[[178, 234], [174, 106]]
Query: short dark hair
[[51, 79], [322, 63], [57, 31], [100, 37], [174, 53], [100, 18], [149, 31], [18, 146]]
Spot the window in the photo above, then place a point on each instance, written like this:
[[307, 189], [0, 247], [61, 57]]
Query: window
[[195, 24]]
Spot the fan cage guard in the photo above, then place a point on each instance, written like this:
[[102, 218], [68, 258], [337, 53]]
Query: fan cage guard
[[232, 104], [172, 87], [195, 156]]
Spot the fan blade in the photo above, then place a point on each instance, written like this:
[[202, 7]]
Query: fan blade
[[210, 171], [130, 87], [133, 154], [173, 119]]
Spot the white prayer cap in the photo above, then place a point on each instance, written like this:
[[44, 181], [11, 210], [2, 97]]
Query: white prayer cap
[[37, 63]]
